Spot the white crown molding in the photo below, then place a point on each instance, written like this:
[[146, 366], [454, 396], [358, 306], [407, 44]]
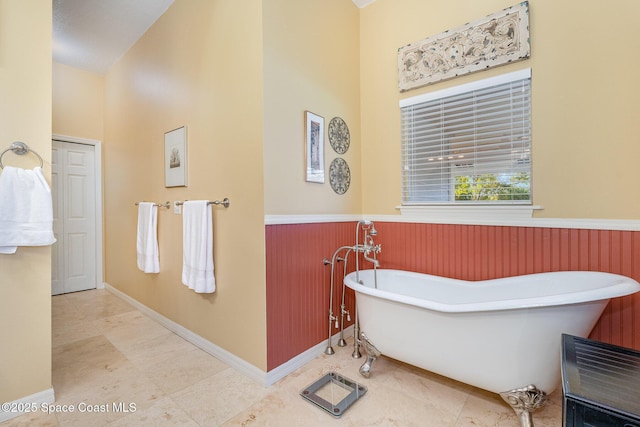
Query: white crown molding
[[362, 3]]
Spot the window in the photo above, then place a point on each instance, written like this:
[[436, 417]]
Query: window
[[469, 144]]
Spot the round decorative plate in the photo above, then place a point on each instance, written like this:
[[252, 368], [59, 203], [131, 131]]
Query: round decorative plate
[[339, 175], [339, 137]]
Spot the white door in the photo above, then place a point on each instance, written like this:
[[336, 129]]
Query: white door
[[74, 220]]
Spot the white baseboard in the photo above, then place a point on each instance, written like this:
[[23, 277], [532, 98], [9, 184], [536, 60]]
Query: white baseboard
[[23, 405], [303, 358], [258, 375]]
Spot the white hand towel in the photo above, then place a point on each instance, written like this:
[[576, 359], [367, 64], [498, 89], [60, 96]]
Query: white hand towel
[[197, 247], [26, 209], [147, 239]]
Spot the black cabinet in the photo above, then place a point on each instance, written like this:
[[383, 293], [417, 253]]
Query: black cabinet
[[600, 384]]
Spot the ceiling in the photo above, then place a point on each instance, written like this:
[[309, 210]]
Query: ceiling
[[93, 34]]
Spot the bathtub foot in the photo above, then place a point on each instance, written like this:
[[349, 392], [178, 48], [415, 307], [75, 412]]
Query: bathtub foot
[[372, 355], [524, 402]]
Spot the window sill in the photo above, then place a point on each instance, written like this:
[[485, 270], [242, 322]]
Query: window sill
[[468, 214]]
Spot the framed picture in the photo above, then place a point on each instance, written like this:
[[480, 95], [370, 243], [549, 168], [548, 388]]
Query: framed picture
[[175, 158], [314, 147]]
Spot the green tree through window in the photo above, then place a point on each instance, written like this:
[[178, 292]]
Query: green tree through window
[[492, 187]]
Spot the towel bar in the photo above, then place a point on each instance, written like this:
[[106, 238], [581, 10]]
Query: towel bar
[[20, 148], [166, 204], [225, 202]]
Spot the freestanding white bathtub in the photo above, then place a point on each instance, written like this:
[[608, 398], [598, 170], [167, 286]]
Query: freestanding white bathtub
[[499, 335]]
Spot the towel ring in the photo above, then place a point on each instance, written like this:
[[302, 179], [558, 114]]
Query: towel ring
[[19, 148]]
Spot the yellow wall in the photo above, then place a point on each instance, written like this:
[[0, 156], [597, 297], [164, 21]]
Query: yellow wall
[[585, 123], [199, 66], [203, 65], [311, 62], [78, 102], [240, 79], [25, 277]]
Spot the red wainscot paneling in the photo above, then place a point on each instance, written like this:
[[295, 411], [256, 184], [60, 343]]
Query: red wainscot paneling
[[298, 285], [298, 282], [474, 252]]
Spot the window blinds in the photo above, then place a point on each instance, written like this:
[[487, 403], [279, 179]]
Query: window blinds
[[469, 144]]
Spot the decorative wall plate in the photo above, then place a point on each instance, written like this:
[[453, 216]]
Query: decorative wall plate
[[496, 39], [339, 175], [339, 135]]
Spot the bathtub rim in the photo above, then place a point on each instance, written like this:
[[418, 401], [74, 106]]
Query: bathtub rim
[[624, 286]]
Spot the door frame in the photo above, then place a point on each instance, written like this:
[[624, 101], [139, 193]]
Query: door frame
[[98, 191]]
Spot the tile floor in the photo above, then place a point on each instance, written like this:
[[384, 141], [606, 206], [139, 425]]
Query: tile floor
[[106, 352]]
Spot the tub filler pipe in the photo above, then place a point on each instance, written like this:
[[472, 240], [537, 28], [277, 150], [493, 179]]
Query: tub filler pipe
[[333, 318], [367, 247], [369, 252], [343, 309]]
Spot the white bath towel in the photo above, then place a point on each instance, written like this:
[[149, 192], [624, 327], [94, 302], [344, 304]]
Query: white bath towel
[[197, 247], [147, 240], [26, 209]]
